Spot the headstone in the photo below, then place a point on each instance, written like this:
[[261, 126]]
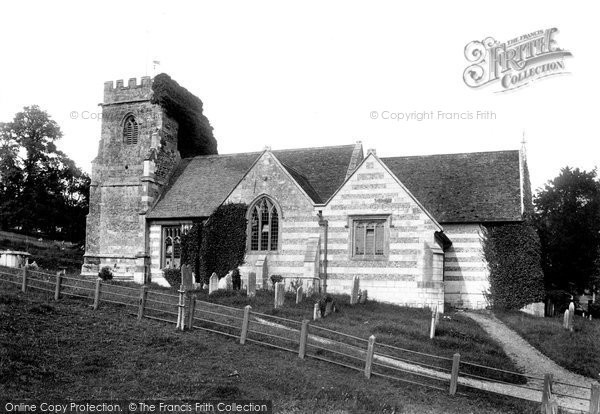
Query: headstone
[[251, 287], [229, 281], [187, 278], [223, 283], [279, 294], [299, 295], [213, 283], [316, 311], [363, 297], [566, 319], [204, 286], [354, 292], [328, 308], [571, 315], [310, 291]]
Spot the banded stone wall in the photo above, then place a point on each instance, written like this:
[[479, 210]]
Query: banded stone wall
[[466, 275]]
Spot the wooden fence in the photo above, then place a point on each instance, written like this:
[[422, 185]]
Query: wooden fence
[[369, 357]]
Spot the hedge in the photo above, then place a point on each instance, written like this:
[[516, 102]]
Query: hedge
[[513, 255]]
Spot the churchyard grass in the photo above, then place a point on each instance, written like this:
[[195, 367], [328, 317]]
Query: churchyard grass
[[65, 350], [578, 351]]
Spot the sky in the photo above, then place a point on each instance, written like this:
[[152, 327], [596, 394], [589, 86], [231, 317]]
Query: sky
[[305, 73]]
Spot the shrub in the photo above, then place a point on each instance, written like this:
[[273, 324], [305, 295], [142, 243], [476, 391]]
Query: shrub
[[172, 276], [223, 244], [105, 273], [513, 255], [236, 280], [594, 310]]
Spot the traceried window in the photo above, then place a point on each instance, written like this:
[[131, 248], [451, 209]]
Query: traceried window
[[264, 226], [369, 238], [130, 130], [171, 246]]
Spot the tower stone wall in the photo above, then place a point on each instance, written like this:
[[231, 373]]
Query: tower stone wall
[[127, 177]]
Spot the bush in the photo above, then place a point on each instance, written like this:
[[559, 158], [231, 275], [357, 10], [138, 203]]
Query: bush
[[513, 255], [236, 280], [105, 273], [223, 244], [594, 310], [173, 277], [190, 248]]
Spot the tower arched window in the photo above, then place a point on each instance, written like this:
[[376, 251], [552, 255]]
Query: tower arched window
[[264, 225], [131, 130]]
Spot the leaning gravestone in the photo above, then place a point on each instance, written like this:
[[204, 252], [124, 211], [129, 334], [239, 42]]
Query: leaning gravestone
[[187, 278], [213, 283], [251, 286]]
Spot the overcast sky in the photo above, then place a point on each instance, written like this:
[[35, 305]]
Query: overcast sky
[[308, 73]]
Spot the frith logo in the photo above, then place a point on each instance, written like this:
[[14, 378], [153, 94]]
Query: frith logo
[[514, 63]]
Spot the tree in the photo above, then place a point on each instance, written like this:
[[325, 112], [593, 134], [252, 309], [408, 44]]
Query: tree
[[42, 190], [568, 222]]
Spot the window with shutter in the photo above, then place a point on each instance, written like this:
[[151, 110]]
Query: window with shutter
[[369, 238], [130, 131]]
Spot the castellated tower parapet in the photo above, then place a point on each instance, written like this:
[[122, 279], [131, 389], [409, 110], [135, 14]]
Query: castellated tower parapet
[[136, 155]]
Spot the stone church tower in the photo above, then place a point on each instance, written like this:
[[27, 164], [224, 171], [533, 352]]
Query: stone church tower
[[136, 155]]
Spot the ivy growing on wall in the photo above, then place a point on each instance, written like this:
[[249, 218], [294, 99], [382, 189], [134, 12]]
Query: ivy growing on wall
[[513, 255], [195, 135], [219, 244]]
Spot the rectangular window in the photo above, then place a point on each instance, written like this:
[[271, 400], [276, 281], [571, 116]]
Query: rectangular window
[[369, 238]]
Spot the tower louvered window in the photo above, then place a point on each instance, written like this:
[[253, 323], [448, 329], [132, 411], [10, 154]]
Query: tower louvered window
[[264, 226], [131, 131]]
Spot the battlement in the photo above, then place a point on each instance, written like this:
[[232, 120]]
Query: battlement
[[130, 92]]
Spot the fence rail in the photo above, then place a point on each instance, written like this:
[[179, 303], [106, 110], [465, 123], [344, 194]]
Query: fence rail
[[317, 342]]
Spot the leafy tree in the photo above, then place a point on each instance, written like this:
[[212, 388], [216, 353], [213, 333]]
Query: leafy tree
[[42, 190], [568, 221]]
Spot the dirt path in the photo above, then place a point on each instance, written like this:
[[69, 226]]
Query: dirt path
[[532, 362]]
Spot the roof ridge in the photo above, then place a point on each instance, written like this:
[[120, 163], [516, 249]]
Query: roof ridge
[[450, 153]]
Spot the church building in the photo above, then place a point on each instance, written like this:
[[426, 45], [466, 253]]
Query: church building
[[410, 227]]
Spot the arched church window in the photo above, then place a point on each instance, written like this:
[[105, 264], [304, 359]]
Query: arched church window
[[264, 226], [171, 257], [130, 130]]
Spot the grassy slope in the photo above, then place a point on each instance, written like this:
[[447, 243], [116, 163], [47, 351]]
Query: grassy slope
[[65, 350], [48, 254], [578, 351], [393, 325]]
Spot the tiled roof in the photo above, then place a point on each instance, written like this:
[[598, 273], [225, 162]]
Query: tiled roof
[[202, 183], [468, 187]]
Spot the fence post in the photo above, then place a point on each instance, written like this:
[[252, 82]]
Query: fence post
[[595, 399], [369, 359], [303, 339], [191, 312], [57, 288], [181, 309], [454, 375], [245, 323], [24, 283], [97, 293], [547, 393], [143, 296]]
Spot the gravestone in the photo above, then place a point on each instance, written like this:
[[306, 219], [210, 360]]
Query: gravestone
[[225, 282], [187, 278], [299, 295], [251, 286], [328, 308], [566, 319], [213, 283], [571, 315], [316, 311], [363, 297], [354, 292], [279, 294]]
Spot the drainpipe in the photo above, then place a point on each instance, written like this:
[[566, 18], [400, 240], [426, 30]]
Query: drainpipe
[[325, 224]]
